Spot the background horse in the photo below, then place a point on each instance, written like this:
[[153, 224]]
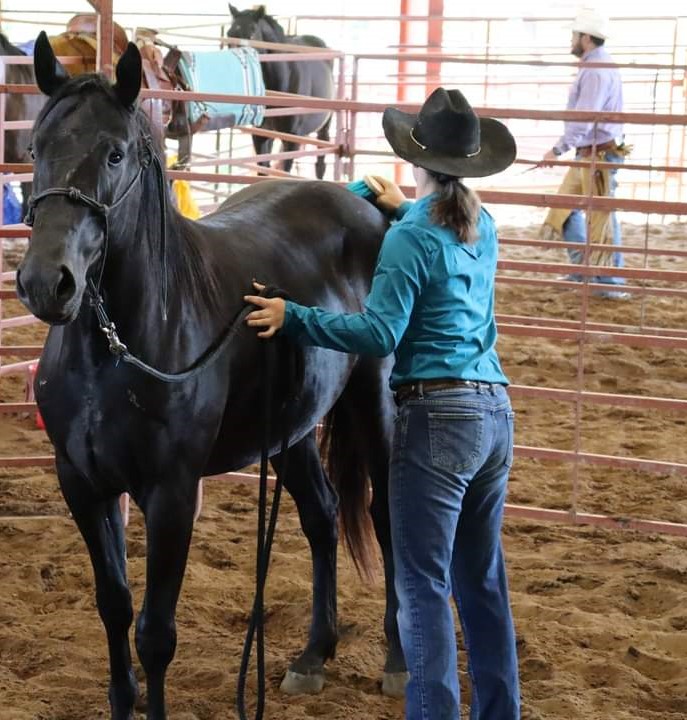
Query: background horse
[[19, 107], [303, 77], [172, 286]]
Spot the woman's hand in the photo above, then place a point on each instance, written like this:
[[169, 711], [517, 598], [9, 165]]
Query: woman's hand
[[389, 195], [270, 314]]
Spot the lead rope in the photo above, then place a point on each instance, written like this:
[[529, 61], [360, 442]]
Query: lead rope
[[265, 534]]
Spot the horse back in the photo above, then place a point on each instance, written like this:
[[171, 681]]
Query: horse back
[[303, 227], [309, 40]]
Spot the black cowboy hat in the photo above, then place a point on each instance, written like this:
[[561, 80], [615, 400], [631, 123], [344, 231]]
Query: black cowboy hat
[[447, 137]]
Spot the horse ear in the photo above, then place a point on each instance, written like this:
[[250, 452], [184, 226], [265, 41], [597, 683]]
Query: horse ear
[[260, 12], [234, 12], [50, 74], [129, 69]]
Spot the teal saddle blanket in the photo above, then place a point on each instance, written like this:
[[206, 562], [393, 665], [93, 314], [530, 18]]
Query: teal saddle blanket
[[235, 71]]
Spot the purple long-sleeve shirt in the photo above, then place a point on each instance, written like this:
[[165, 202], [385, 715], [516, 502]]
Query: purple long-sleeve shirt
[[594, 88]]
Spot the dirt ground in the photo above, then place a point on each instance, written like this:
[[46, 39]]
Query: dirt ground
[[601, 616]]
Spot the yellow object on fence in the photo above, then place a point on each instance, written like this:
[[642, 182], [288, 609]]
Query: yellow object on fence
[[181, 190]]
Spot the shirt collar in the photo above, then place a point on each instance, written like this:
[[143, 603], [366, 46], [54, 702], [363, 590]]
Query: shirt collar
[[596, 53], [423, 203]]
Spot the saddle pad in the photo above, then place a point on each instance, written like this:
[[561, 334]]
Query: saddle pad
[[235, 71]]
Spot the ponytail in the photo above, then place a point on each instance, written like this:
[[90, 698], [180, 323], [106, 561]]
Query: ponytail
[[457, 207]]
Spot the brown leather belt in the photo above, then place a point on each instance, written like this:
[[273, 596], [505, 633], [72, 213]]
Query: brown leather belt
[[586, 150], [408, 391]]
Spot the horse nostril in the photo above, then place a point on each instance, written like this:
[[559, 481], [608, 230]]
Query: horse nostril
[[66, 287]]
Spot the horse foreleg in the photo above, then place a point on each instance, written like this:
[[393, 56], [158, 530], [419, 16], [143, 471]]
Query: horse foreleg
[[168, 515], [100, 523], [316, 501], [320, 163]]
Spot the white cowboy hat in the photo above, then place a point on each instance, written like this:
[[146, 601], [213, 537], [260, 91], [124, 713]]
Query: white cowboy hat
[[590, 22]]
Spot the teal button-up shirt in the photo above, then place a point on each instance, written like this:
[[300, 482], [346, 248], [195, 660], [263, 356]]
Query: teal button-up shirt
[[431, 302]]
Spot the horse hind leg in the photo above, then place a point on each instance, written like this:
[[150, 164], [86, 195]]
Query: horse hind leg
[[287, 163], [100, 523], [263, 146], [375, 413], [320, 163], [316, 501]]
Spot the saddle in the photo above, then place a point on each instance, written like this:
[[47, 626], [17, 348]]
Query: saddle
[[229, 71], [87, 24], [80, 40]]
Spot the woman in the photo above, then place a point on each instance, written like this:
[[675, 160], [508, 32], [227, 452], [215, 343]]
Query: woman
[[431, 302]]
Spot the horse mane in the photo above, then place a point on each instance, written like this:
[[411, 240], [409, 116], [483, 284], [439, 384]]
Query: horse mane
[[278, 29], [189, 270]]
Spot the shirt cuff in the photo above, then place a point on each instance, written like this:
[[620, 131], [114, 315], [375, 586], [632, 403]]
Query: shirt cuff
[[402, 209], [289, 316]]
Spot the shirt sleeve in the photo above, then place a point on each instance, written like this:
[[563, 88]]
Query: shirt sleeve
[[402, 209], [592, 92], [402, 272]]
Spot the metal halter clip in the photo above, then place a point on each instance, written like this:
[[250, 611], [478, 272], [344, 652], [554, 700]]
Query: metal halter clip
[[117, 347]]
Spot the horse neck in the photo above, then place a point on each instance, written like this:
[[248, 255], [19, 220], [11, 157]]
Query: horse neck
[[195, 313], [138, 263]]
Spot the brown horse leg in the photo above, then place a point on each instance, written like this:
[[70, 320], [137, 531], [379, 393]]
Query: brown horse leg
[[316, 501], [168, 512], [100, 523]]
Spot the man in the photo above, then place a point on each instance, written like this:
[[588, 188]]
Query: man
[[594, 88]]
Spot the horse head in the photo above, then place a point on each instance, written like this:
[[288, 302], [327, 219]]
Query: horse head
[[255, 24], [89, 155]]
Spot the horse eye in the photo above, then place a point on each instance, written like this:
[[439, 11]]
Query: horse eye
[[115, 157], [31, 152]]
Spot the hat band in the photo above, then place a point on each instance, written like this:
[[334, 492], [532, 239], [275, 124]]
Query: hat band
[[414, 139], [424, 147]]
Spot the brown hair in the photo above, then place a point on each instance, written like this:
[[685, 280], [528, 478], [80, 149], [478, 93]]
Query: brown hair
[[457, 207]]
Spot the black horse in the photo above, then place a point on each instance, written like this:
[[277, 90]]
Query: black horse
[[304, 77], [172, 287], [19, 107]]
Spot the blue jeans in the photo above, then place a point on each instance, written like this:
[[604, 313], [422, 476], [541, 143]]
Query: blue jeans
[[575, 230], [452, 453]]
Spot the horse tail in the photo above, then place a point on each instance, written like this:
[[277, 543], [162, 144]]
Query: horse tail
[[344, 444]]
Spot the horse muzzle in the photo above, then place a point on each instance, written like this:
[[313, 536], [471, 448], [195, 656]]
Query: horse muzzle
[[50, 291]]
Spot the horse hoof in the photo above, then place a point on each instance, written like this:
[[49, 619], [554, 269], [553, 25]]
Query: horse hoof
[[295, 683], [394, 684]]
